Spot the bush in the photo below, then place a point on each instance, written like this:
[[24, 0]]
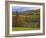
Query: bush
[[35, 25]]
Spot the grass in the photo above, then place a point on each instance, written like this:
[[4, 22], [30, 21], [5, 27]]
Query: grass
[[23, 28]]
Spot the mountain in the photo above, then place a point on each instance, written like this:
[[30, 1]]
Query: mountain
[[26, 12]]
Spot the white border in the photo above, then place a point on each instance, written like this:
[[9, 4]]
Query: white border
[[31, 31]]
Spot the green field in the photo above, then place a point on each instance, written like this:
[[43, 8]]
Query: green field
[[23, 28]]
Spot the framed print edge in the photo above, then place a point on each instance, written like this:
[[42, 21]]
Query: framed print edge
[[7, 19]]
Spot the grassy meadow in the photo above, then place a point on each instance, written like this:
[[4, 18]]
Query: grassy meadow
[[24, 28]]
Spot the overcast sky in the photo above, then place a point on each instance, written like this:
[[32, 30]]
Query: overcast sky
[[21, 9]]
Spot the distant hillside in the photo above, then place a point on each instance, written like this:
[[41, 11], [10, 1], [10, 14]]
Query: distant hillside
[[26, 12]]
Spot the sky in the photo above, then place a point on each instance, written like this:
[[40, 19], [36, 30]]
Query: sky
[[22, 9]]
